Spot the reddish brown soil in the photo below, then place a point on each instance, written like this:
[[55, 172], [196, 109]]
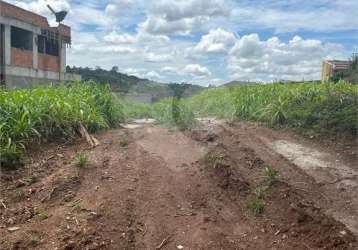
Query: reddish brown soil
[[165, 190]]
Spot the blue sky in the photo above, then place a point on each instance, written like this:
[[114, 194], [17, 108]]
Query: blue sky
[[208, 41]]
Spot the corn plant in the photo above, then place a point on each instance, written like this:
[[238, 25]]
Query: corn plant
[[42, 113]]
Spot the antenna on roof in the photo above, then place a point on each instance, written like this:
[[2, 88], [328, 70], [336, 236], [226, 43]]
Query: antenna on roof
[[60, 16]]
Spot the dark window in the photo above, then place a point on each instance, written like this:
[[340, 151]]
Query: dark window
[[21, 39], [47, 46], [41, 44], [52, 47]]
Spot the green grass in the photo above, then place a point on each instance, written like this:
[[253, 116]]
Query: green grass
[[270, 176], [41, 213], [320, 107], [81, 159], [257, 206], [124, 142], [43, 113]]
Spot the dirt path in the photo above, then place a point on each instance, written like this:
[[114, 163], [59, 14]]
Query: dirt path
[[172, 190]]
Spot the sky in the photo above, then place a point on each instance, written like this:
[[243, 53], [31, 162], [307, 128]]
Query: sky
[[208, 41]]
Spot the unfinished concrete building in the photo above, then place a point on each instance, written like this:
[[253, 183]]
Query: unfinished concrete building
[[330, 68], [31, 52]]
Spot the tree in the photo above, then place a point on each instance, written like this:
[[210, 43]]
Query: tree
[[114, 69]]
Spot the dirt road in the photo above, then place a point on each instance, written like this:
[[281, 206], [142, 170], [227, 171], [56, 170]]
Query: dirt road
[[149, 187]]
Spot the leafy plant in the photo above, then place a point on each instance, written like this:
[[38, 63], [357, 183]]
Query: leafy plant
[[260, 192], [270, 176], [41, 213], [214, 158], [81, 159], [76, 205], [257, 206], [124, 142], [47, 112]]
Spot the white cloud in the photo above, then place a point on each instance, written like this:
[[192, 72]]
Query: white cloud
[[216, 41], [116, 38], [196, 70], [254, 59], [152, 57], [318, 15], [169, 69], [152, 75], [159, 25], [173, 10]]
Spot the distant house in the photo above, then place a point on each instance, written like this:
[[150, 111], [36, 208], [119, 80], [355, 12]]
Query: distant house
[[332, 69], [31, 51]]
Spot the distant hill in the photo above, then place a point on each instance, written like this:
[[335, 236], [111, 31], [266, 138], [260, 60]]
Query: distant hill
[[132, 85]]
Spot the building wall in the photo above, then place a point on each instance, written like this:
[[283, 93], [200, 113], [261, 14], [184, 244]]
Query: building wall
[[23, 58], [326, 72], [48, 62], [20, 77]]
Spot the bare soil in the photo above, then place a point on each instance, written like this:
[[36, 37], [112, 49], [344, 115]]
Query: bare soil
[[172, 190]]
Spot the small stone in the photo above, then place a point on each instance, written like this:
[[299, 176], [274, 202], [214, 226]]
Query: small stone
[[343, 232], [13, 229], [180, 247]]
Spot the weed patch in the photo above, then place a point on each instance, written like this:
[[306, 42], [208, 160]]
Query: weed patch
[[271, 176], [41, 213], [257, 206], [81, 159]]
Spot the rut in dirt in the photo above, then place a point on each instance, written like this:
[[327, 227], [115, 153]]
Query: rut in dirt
[[165, 189]]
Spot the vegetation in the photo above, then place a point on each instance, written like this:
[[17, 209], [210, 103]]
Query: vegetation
[[124, 142], [41, 213], [322, 107], [43, 113], [257, 206], [350, 75], [81, 159], [270, 176]]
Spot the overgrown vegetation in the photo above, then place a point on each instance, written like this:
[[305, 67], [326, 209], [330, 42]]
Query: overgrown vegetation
[[321, 107], [43, 113]]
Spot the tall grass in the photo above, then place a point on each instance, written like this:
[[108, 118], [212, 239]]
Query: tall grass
[[29, 115], [322, 107]]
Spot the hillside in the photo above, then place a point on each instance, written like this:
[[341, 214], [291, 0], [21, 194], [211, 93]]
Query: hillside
[[128, 84]]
